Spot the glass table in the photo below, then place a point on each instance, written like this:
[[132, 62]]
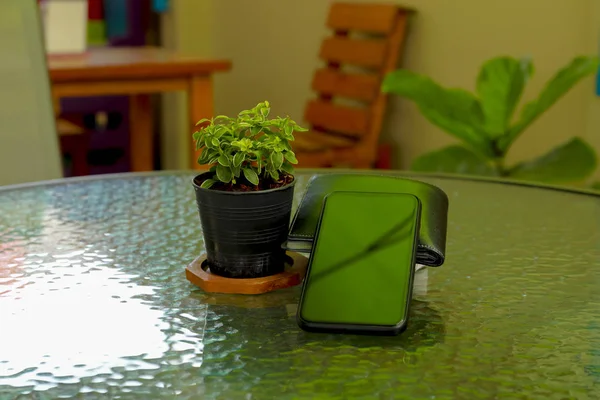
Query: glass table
[[94, 303]]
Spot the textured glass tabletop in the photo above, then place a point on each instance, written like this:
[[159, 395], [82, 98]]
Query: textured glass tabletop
[[94, 303]]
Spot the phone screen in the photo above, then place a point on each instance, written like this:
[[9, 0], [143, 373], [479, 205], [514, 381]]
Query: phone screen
[[361, 268]]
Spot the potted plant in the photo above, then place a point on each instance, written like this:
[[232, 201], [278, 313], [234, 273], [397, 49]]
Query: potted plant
[[245, 199], [484, 121]]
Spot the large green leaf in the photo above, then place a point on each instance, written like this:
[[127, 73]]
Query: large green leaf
[[207, 184], [453, 159], [224, 174], [570, 162], [557, 87], [251, 175], [456, 111], [500, 84]]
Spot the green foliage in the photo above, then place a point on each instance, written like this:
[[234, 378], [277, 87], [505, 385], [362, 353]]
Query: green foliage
[[568, 162], [484, 121], [457, 159], [251, 144], [456, 111]]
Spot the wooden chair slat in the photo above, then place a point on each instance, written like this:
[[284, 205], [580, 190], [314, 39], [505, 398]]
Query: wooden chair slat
[[314, 159], [341, 119], [371, 18], [316, 141], [364, 87], [359, 52]]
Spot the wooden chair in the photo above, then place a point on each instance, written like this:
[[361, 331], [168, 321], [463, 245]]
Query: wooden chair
[[74, 141], [368, 38]]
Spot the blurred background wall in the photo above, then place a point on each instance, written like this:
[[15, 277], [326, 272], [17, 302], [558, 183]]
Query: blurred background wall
[[274, 45]]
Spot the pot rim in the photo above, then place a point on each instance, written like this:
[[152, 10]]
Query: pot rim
[[222, 192]]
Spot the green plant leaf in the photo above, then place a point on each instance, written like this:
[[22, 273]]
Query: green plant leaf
[[224, 160], [221, 130], [236, 170], [224, 174], [557, 87], [291, 157], [238, 159], [288, 131], [500, 84], [204, 156], [287, 167], [570, 162], [199, 142], [456, 111], [298, 128], [215, 142], [454, 159], [596, 186], [244, 144], [223, 118], [274, 174], [276, 160], [208, 183], [251, 175]]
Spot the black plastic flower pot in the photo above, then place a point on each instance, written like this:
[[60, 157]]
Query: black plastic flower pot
[[243, 231]]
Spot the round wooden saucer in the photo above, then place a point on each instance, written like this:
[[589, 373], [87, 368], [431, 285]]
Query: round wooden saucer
[[294, 272]]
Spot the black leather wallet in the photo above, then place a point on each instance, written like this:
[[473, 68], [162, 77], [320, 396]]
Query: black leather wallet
[[434, 213]]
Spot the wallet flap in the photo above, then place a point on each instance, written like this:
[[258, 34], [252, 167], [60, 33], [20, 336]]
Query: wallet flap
[[434, 215]]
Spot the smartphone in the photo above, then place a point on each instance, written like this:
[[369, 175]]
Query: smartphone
[[361, 269]]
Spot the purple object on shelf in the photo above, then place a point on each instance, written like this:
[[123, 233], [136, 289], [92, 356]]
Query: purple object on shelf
[[117, 138], [125, 22]]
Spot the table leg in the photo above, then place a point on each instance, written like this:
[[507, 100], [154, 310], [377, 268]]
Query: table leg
[[200, 99], [56, 105], [140, 135]]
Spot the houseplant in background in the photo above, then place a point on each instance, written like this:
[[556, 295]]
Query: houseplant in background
[[245, 199], [484, 121]]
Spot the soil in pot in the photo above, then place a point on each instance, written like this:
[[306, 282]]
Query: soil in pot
[[244, 226], [244, 186]]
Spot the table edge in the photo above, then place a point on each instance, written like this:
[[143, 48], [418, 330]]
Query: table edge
[[138, 71], [310, 171]]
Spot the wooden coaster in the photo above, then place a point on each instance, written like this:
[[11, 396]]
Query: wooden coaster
[[276, 299], [293, 275]]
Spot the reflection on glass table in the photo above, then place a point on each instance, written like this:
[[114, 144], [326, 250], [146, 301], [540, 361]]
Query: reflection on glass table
[[94, 302]]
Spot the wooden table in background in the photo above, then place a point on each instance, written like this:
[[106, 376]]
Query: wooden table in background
[[138, 72]]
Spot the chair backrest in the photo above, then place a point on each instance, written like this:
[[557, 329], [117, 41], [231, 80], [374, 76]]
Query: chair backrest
[[29, 149], [367, 38]]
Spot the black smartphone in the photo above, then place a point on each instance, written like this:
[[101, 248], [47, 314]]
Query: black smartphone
[[361, 269]]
